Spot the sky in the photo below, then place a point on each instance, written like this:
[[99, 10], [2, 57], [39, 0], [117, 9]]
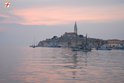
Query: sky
[[25, 20]]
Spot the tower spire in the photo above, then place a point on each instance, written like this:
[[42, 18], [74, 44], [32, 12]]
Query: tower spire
[[75, 28]]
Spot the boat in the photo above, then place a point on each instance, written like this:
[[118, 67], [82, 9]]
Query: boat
[[104, 47], [33, 46], [76, 49], [85, 47]]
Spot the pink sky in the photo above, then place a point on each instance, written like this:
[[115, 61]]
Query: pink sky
[[60, 15], [105, 17], [61, 12]]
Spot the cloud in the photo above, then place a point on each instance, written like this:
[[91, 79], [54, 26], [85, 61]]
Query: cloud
[[54, 12], [62, 15], [8, 18], [3, 17]]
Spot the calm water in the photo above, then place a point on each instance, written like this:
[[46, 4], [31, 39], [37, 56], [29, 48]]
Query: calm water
[[57, 65]]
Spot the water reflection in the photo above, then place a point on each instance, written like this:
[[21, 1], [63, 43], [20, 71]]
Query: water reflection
[[75, 64], [53, 65], [78, 67]]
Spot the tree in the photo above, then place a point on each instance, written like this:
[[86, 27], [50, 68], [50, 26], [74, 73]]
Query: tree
[[81, 36], [54, 37]]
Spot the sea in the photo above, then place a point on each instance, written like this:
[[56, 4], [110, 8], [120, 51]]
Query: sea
[[60, 65]]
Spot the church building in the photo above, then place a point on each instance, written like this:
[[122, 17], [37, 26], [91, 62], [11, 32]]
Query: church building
[[72, 34]]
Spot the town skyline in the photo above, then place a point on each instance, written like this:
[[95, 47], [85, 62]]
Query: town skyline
[[79, 42]]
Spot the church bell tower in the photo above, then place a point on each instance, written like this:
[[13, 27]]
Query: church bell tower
[[75, 28]]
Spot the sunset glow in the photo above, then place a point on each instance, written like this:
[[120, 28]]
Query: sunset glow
[[100, 15], [61, 41], [52, 16]]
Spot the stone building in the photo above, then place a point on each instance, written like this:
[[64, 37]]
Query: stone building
[[69, 39], [113, 43]]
